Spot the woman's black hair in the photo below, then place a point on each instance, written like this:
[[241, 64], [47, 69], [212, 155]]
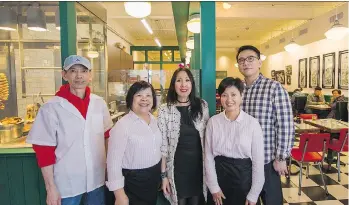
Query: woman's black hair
[[228, 82], [135, 88], [195, 102]]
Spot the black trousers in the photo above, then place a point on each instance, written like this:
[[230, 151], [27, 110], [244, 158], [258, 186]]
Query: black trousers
[[272, 191], [141, 185], [234, 178]]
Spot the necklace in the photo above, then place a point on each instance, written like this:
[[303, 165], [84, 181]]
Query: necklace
[[183, 102]]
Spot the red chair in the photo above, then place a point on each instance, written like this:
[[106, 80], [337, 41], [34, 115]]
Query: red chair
[[340, 145], [308, 116], [308, 151]]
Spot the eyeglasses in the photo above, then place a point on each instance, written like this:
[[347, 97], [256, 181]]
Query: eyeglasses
[[249, 59]]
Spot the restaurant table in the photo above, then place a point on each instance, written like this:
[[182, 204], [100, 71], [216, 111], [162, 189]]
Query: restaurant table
[[299, 129], [331, 126], [305, 128], [321, 110]]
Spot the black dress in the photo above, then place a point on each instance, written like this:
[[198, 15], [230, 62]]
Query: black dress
[[188, 158]]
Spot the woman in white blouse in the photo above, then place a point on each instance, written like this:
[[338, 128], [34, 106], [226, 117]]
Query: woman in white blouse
[[134, 156], [234, 151], [182, 122]]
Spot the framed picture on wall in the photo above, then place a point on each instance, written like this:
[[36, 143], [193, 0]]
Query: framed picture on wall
[[288, 80], [302, 73], [314, 71], [289, 70], [280, 76], [343, 70], [328, 67]]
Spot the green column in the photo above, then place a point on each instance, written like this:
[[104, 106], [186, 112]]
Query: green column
[[208, 54], [197, 51], [67, 14]]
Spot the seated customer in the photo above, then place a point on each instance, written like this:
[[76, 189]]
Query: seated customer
[[234, 152], [316, 98], [336, 97]]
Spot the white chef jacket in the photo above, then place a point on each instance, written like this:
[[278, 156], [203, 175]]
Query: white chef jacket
[[80, 149]]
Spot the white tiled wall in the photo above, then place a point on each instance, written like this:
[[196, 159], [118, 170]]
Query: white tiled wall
[[36, 80]]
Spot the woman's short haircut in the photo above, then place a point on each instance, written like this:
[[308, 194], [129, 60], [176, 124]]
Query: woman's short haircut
[[135, 88], [228, 82]]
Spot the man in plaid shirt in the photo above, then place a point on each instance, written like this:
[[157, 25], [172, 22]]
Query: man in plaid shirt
[[269, 103]]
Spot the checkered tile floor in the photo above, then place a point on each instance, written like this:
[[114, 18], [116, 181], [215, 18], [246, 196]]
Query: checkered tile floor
[[313, 192]]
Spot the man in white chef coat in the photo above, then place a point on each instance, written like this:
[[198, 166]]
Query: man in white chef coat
[[68, 137]]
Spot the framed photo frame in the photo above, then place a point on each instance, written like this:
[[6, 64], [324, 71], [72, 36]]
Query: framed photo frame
[[343, 70], [328, 69], [314, 71], [289, 70], [302, 73], [288, 80], [280, 76]]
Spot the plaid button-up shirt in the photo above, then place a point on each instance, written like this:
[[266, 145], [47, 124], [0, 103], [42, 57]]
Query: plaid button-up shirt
[[269, 103]]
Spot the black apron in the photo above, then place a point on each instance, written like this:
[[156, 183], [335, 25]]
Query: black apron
[[141, 185], [234, 178]]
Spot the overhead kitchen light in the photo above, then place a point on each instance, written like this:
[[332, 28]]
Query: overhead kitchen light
[[92, 54], [36, 19], [157, 42], [292, 46], [8, 19], [138, 9], [226, 5], [190, 42], [194, 23], [146, 25]]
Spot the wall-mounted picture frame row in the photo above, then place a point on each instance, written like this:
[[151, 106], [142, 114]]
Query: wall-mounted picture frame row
[[328, 71]]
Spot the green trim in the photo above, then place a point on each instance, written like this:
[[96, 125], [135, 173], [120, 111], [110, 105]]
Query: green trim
[[208, 54], [181, 16], [67, 12], [27, 150]]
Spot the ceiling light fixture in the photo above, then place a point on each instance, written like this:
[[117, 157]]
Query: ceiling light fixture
[[236, 65], [92, 54], [292, 46], [8, 19], [157, 42], [138, 9], [226, 5], [337, 31], [190, 42], [36, 19], [263, 57], [193, 24], [146, 25]]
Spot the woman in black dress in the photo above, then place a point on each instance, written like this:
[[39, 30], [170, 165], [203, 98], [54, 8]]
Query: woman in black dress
[[182, 122]]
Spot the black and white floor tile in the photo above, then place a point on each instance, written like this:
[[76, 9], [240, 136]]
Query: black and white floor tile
[[313, 191]]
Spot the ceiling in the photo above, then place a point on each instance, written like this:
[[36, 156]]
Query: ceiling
[[244, 23]]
